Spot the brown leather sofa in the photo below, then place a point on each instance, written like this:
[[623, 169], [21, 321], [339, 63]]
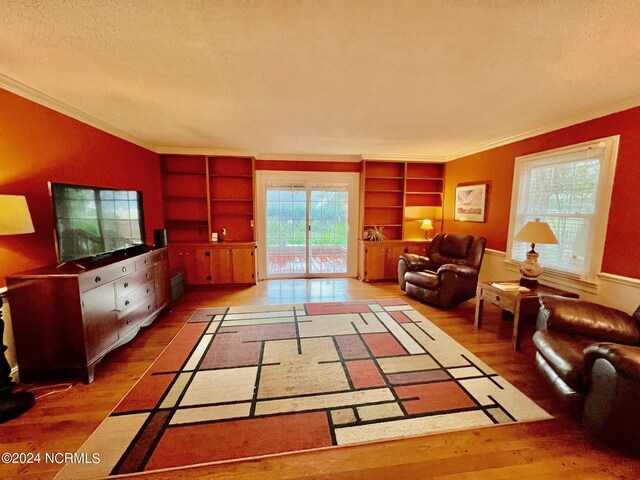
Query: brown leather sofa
[[589, 355], [448, 274]]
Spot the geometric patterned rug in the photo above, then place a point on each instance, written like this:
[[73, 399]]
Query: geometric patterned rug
[[250, 381]]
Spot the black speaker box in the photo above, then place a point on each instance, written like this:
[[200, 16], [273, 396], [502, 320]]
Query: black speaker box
[[160, 238]]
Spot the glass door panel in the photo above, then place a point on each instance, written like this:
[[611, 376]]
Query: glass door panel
[[286, 228], [328, 232]]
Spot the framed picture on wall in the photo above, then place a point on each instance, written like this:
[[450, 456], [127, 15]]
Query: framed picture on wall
[[471, 203]]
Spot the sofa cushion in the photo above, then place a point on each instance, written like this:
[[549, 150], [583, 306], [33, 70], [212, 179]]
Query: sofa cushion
[[569, 397], [456, 246], [426, 279], [564, 354]]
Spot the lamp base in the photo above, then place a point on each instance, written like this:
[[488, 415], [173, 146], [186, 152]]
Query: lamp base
[[528, 282], [13, 405]]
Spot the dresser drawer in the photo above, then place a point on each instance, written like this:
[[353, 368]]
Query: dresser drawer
[[102, 276], [145, 262], [135, 315], [131, 301], [131, 282]]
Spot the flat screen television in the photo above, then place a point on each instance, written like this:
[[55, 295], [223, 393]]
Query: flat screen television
[[93, 221]]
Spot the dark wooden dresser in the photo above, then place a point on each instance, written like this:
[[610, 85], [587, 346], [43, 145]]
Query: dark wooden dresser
[[69, 317]]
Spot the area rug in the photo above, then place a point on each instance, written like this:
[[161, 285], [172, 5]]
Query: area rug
[[250, 381]]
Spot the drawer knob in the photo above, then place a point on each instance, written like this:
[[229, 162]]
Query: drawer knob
[[146, 275], [126, 284], [98, 279], [128, 322], [148, 307], [148, 290], [124, 269], [127, 302], [146, 261]]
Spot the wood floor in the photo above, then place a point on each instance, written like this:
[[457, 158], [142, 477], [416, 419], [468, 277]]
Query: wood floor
[[549, 449]]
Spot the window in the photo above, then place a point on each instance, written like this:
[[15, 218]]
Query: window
[[570, 188]]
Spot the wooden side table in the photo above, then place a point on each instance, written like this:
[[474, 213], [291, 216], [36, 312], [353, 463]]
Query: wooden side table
[[521, 304]]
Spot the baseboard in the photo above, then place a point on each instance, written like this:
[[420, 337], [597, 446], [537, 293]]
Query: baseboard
[[612, 290]]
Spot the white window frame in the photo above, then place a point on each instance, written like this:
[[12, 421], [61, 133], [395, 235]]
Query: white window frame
[[590, 281]]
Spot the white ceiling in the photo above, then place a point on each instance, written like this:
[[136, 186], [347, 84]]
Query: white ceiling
[[396, 78]]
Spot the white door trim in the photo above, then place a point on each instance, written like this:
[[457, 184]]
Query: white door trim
[[351, 178]]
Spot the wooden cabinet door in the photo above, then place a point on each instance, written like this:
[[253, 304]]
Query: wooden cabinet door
[[202, 267], [391, 261], [184, 258], [100, 320], [374, 262], [418, 249], [243, 260], [221, 265]]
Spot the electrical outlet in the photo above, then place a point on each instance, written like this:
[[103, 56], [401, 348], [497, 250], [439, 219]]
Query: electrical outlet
[[224, 232]]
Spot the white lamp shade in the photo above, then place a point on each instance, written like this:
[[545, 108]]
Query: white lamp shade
[[14, 215], [536, 232], [426, 225]]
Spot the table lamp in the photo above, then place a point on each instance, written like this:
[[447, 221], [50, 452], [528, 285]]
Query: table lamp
[[534, 232], [14, 220], [427, 226]]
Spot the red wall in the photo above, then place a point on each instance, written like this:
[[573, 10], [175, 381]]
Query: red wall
[[38, 145], [496, 167]]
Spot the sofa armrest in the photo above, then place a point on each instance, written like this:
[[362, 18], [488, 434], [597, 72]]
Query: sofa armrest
[[464, 271], [416, 262], [624, 358], [611, 404], [588, 319]]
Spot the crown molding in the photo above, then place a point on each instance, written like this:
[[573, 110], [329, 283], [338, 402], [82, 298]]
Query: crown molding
[[204, 151], [287, 157], [45, 100], [407, 158], [567, 122], [309, 157]]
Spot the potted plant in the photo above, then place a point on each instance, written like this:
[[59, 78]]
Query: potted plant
[[374, 234]]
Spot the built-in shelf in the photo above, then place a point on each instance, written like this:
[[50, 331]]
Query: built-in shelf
[[385, 178], [232, 200], [185, 221], [384, 206], [384, 191], [232, 176], [195, 203], [186, 197], [399, 195]]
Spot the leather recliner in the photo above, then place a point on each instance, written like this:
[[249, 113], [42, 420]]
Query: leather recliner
[[589, 355], [448, 274]]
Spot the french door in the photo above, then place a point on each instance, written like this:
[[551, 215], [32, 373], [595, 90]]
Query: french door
[[307, 224]]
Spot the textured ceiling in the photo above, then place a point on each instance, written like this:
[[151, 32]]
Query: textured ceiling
[[361, 77]]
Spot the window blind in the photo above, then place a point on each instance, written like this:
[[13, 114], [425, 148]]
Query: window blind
[[561, 190]]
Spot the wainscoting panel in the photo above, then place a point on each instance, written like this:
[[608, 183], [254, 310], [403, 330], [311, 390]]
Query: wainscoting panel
[[612, 290]]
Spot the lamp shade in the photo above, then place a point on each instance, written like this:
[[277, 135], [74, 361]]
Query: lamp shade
[[426, 225], [536, 232], [14, 215]]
